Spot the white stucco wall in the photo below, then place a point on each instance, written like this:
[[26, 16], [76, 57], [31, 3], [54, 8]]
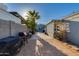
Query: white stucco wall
[[11, 28], [10, 25], [73, 34], [4, 15], [50, 29], [4, 29], [3, 7]]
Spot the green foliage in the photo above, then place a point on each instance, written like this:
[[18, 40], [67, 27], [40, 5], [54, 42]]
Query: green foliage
[[32, 16]]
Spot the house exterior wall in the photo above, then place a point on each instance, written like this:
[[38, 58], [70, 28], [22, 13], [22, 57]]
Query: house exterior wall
[[10, 25], [8, 28], [50, 29], [15, 28], [73, 33], [3, 7], [4, 29], [4, 15]]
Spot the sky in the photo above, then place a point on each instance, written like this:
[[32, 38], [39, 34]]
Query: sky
[[47, 11]]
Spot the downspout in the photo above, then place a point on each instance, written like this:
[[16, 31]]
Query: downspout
[[10, 27]]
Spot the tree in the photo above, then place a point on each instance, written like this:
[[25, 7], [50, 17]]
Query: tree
[[32, 16]]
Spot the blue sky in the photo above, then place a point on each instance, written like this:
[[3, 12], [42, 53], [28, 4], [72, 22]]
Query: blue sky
[[47, 11]]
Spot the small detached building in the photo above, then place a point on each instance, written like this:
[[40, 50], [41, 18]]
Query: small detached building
[[66, 29], [50, 28], [56, 29]]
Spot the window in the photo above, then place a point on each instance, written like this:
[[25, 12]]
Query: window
[[67, 27]]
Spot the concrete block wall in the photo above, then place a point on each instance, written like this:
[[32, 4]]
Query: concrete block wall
[[8, 28]]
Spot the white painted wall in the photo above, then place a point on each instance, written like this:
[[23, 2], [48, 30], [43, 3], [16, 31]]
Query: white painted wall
[[73, 34], [11, 28], [9, 24], [5, 15], [3, 7], [50, 29]]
